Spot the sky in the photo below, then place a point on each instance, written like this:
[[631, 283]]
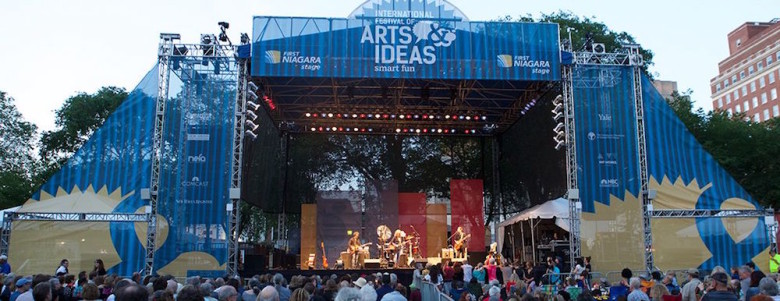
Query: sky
[[52, 50]]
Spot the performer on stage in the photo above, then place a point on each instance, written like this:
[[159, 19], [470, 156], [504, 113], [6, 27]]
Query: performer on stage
[[399, 244], [354, 248], [459, 240]]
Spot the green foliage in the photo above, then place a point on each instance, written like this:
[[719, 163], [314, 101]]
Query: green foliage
[[748, 150], [580, 27], [17, 160], [76, 120]]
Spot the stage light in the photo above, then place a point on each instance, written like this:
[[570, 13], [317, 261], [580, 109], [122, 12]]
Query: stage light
[[425, 116], [408, 116], [473, 131], [348, 129], [385, 116], [308, 114], [252, 96], [446, 116], [406, 130], [468, 117], [250, 134], [362, 115], [251, 115], [438, 131], [354, 115], [252, 105], [356, 129], [377, 116], [370, 130], [425, 130], [476, 118], [446, 131], [484, 117], [251, 125], [330, 115], [558, 116], [430, 117], [460, 117], [341, 129], [559, 144], [392, 116], [323, 115], [338, 115], [558, 127], [559, 136], [313, 129], [320, 129], [397, 130], [454, 117], [327, 129], [417, 131], [334, 128], [370, 115], [416, 116], [251, 86], [401, 116]]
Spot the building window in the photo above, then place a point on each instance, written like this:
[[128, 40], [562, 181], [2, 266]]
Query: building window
[[755, 103], [726, 83], [756, 117], [769, 60], [760, 66], [772, 77], [728, 98], [752, 86], [744, 91], [717, 87], [720, 103], [734, 78], [773, 93], [763, 98], [766, 114], [741, 75], [730, 113], [778, 55], [761, 82], [746, 106], [738, 109], [736, 94], [751, 70], [776, 110]]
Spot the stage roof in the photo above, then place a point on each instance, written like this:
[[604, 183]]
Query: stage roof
[[398, 59]]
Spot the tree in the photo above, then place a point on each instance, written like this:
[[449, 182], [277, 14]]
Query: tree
[[17, 138], [584, 27], [748, 150], [76, 120]]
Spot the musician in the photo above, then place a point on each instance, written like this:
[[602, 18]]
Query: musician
[[398, 242], [459, 242], [354, 248]]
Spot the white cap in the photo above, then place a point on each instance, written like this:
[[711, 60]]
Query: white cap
[[3, 257]]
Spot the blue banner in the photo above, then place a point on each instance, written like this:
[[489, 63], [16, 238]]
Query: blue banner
[[687, 177], [605, 119], [405, 39]]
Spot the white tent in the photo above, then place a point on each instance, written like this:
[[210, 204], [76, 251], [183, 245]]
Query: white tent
[[558, 209]]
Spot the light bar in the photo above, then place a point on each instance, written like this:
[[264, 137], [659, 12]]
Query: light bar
[[470, 117]]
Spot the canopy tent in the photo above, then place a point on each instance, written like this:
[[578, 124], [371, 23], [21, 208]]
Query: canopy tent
[[557, 209]]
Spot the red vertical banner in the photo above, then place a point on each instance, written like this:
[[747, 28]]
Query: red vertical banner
[[467, 203], [411, 217]]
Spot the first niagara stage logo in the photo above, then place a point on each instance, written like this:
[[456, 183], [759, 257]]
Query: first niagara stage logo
[[401, 41], [523, 61], [312, 63]]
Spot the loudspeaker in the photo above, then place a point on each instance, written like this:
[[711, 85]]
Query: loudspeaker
[[371, 263]]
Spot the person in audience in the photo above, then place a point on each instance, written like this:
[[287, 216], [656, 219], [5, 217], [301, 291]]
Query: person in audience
[[22, 286], [690, 290], [636, 291], [132, 292], [63, 268], [99, 268], [42, 292], [5, 267], [719, 288], [269, 293], [348, 294], [658, 291], [284, 292]]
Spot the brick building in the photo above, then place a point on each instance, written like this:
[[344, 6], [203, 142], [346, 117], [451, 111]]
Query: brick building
[[749, 78]]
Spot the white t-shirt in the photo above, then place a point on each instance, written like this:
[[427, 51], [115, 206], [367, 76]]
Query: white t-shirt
[[61, 270], [467, 270]]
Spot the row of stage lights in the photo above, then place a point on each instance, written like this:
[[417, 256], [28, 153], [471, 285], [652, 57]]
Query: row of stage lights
[[321, 129], [397, 116]]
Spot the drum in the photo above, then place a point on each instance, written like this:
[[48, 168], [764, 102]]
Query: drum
[[403, 261], [447, 253], [346, 257]]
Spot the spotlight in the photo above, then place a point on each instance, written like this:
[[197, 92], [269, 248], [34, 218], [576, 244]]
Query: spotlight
[[251, 115], [558, 116], [559, 143], [308, 114], [468, 117], [251, 125], [250, 134], [397, 130], [313, 129], [401, 116], [558, 127], [484, 117], [354, 115], [330, 115], [252, 96], [224, 25], [251, 86], [446, 116], [252, 105]]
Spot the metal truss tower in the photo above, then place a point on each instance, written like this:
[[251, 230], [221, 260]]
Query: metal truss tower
[[163, 66], [571, 164], [234, 212]]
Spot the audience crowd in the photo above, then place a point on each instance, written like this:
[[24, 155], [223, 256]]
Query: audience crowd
[[487, 281]]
